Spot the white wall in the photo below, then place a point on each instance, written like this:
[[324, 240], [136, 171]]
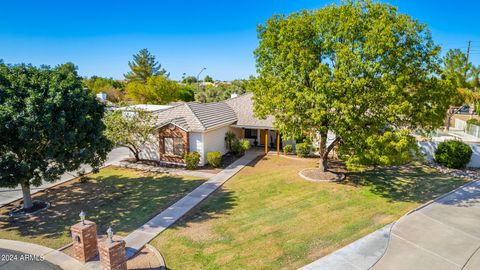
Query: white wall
[[428, 151], [460, 124], [195, 140], [214, 141]]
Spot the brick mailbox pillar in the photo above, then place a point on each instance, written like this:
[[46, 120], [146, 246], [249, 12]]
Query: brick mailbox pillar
[[112, 254], [84, 236]]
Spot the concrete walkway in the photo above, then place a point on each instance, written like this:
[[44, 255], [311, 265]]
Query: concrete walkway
[[8, 195], [55, 257], [141, 236]]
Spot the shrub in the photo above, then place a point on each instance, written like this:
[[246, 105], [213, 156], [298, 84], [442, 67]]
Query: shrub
[[473, 121], [214, 158], [303, 149], [230, 140], [245, 144], [453, 154], [191, 160], [239, 147], [287, 149]]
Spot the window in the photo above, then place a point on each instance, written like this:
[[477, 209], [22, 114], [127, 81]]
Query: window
[[173, 146], [250, 133]]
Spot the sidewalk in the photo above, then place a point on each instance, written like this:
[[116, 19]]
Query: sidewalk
[[141, 236], [8, 195]]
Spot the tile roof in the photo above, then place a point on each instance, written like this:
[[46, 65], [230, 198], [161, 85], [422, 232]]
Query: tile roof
[[199, 117], [243, 107]]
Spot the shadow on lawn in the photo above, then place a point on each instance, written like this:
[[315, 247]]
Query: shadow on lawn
[[217, 204], [407, 184], [123, 202]]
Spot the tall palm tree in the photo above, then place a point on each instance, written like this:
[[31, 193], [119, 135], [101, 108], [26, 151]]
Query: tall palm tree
[[475, 74]]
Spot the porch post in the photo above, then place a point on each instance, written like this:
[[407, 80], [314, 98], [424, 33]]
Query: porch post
[[266, 141], [278, 143]]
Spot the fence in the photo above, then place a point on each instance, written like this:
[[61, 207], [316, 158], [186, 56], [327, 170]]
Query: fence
[[473, 130], [470, 129]]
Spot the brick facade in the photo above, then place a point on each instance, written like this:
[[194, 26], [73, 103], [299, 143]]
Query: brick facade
[[84, 240], [172, 131], [112, 254]]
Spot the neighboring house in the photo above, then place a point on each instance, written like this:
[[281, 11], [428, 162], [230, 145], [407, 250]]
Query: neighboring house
[[201, 127], [127, 110]]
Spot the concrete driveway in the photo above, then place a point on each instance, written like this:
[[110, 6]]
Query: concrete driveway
[[444, 235], [7, 195]]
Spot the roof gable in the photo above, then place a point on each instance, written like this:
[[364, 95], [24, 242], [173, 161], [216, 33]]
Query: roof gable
[[243, 107]]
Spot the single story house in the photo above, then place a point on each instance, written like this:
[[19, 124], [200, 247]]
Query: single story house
[[201, 127]]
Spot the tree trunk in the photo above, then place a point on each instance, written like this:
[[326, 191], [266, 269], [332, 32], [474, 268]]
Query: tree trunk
[[448, 119], [323, 164], [27, 196]]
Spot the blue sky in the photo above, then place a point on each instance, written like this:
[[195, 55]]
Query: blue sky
[[101, 36]]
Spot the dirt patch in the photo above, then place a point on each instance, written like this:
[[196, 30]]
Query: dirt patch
[[318, 175]]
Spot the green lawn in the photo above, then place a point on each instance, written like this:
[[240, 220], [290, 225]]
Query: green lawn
[[267, 217], [122, 198]]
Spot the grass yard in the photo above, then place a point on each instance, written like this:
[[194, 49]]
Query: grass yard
[[119, 197], [267, 217]]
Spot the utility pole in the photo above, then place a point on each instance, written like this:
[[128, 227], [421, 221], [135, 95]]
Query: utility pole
[[466, 64]]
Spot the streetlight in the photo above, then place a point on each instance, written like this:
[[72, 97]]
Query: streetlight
[[198, 76]]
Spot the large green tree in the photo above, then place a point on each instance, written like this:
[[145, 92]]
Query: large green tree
[[49, 124], [156, 90], [359, 69], [457, 71], [144, 66], [114, 89], [222, 91]]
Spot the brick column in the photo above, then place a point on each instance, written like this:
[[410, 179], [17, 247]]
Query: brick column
[[84, 240], [112, 254]]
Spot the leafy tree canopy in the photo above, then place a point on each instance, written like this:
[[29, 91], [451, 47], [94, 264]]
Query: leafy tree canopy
[[223, 91], [189, 79], [186, 93], [156, 90], [49, 125], [114, 89], [208, 79], [354, 69], [144, 66], [455, 68], [475, 74], [132, 130]]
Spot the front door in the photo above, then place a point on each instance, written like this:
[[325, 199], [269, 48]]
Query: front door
[[262, 136]]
